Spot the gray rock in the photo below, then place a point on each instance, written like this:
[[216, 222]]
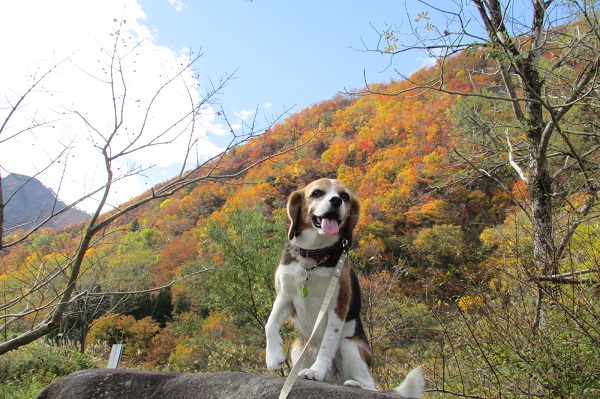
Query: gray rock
[[129, 384]]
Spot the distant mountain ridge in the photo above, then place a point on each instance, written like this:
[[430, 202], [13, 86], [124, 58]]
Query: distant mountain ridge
[[28, 202]]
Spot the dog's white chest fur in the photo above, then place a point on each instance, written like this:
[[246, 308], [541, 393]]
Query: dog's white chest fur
[[290, 279]]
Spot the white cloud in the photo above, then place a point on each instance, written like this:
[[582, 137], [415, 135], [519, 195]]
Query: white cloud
[[428, 61], [268, 105], [76, 101], [244, 115], [178, 5]]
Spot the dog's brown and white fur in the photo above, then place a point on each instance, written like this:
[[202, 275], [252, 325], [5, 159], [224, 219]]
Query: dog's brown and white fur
[[323, 216]]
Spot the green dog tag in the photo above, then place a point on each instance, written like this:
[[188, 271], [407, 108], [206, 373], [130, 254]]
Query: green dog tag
[[304, 290]]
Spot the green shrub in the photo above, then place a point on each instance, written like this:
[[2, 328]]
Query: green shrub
[[14, 389], [26, 371]]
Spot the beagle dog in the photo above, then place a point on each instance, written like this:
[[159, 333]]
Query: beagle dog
[[323, 216]]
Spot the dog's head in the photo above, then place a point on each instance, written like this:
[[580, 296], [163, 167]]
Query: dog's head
[[322, 213]]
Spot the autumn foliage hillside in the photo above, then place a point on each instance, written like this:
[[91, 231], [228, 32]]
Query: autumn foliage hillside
[[426, 247], [395, 152]]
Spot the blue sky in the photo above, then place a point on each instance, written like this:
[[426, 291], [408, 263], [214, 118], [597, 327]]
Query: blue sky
[[286, 55]]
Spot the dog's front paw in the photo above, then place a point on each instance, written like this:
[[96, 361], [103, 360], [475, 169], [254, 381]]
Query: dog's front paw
[[312, 374], [275, 359]]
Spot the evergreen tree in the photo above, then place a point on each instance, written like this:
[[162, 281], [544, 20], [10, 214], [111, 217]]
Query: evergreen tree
[[162, 311]]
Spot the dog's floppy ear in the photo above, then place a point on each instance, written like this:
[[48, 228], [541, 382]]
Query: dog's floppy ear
[[351, 222], [294, 210]]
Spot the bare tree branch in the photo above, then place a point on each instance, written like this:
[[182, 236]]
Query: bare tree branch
[[48, 295]]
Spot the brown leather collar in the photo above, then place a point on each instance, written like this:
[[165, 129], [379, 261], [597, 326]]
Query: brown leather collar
[[323, 252]]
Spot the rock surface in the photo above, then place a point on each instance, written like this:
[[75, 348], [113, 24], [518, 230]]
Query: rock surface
[[129, 384]]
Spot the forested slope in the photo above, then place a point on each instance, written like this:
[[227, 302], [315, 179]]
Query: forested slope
[[440, 248]]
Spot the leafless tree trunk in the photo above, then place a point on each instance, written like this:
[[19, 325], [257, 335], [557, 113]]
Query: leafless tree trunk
[[549, 72]]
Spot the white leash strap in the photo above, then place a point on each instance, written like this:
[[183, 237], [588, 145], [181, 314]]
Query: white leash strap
[[335, 277]]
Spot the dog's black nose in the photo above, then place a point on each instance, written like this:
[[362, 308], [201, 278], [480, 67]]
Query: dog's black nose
[[335, 202]]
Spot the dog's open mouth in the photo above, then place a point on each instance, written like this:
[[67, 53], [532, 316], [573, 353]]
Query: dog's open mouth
[[328, 223]]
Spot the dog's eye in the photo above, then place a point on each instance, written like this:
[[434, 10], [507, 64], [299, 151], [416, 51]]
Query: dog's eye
[[317, 194], [345, 196]]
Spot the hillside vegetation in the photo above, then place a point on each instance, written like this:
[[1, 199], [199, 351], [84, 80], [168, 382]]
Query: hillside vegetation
[[443, 253]]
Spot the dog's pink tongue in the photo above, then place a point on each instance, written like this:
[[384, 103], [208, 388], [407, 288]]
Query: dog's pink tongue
[[330, 226]]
